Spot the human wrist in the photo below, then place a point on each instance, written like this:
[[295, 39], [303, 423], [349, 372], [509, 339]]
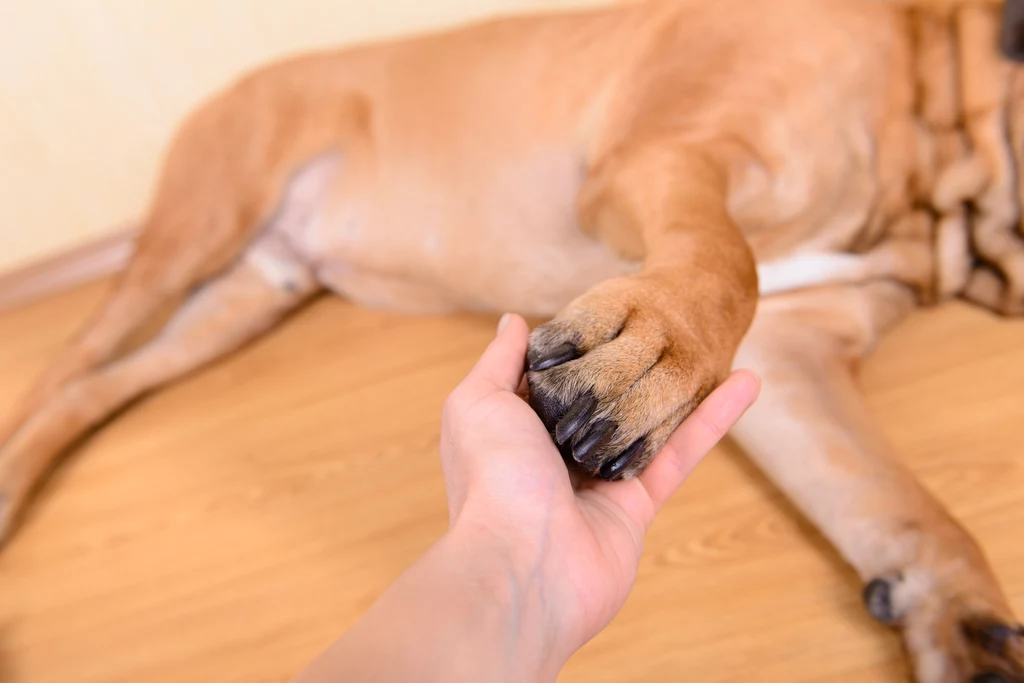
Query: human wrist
[[506, 578], [462, 612]]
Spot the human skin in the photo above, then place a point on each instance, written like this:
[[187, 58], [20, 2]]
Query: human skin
[[531, 567]]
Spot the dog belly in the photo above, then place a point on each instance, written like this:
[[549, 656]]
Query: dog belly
[[534, 271], [393, 292], [507, 242]]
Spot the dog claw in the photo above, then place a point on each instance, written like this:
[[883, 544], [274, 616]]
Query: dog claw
[[563, 353], [989, 677], [613, 468], [593, 439], [577, 416], [993, 636], [878, 600], [1000, 633]]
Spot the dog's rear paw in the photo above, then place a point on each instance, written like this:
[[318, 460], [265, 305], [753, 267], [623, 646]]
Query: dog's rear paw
[[614, 375], [952, 634]]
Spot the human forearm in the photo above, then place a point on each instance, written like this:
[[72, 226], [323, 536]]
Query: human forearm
[[459, 614]]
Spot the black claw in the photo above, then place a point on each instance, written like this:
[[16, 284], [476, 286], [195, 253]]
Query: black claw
[[1000, 632], [592, 440], [563, 353], [878, 599], [992, 636], [989, 677], [613, 468], [577, 416], [1012, 39]]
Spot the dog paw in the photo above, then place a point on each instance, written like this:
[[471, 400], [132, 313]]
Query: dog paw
[[951, 632], [616, 372]]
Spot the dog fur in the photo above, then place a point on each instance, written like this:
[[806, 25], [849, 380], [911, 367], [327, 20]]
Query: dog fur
[[681, 185]]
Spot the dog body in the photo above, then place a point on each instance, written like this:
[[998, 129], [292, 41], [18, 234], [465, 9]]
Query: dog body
[[649, 175], [456, 183]]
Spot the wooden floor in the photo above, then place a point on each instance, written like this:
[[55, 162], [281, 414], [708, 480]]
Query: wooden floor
[[232, 526]]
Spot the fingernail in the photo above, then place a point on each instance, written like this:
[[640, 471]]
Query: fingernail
[[503, 323]]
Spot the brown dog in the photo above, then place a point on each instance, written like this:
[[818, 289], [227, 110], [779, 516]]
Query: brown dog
[[633, 172]]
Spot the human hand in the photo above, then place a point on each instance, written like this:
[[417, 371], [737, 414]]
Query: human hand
[[573, 551], [531, 567]]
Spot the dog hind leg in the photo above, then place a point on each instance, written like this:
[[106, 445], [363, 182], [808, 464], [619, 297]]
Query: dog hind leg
[[222, 315], [244, 169], [134, 301]]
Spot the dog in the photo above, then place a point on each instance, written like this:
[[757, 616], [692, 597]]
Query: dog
[[679, 186]]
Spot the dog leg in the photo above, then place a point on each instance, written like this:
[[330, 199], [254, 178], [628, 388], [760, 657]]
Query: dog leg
[[811, 433], [615, 372], [136, 299], [226, 312], [252, 164]]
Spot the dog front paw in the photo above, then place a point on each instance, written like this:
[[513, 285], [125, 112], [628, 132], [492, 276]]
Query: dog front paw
[[616, 372]]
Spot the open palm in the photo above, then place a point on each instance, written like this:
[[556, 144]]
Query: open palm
[[506, 479]]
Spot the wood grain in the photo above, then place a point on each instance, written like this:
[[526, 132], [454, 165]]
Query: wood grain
[[232, 526]]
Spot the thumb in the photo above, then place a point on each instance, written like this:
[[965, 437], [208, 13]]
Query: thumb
[[698, 434], [502, 364]]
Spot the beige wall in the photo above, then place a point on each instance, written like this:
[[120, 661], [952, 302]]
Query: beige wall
[[90, 90]]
